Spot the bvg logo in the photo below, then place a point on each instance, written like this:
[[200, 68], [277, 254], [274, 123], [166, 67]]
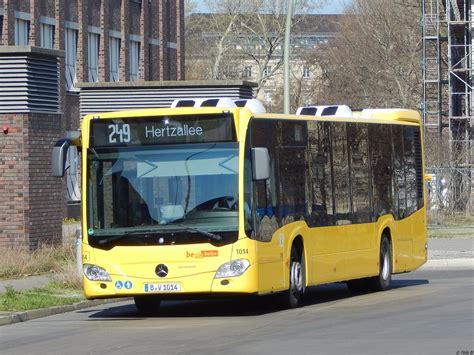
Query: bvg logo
[[202, 254]]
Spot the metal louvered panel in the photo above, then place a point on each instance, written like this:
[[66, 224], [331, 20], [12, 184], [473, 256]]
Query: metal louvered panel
[[29, 83], [110, 97]]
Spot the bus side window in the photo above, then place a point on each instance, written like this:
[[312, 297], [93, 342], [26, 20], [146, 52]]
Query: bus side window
[[357, 134], [340, 168], [320, 174], [410, 169], [263, 134], [293, 171], [399, 172], [248, 190], [380, 138]]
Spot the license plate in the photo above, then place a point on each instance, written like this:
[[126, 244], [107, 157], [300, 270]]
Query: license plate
[[163, 287]]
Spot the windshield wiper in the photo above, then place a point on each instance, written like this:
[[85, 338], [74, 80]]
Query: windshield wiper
[[108, 239], [213, 236], [123, 235]]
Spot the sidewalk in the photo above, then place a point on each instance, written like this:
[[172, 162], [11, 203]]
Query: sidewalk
[[455, 252], [450, 248]]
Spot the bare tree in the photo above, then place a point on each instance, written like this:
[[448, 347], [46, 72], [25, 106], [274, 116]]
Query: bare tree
[[235, 32], [190, 7], [210, 39], [375, 60]]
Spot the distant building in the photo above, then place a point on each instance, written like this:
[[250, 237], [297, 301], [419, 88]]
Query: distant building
[[309, 34], [48, 47]]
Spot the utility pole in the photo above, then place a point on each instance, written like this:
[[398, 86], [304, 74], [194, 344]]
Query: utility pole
[[286, 59]]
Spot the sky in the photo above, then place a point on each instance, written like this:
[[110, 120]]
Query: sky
[[332, 7]]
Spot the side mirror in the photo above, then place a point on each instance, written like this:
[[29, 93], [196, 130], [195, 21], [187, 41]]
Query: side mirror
[[58, 158], [260, 163]]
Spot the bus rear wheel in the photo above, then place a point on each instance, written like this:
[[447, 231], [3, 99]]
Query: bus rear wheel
[[147, 305], [292, 297], [383, 280]]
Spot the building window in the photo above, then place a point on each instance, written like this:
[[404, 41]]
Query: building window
[[47, 36], [22, 32], [134, 60], [267, 71], [247, 71], [114, 58], [70, 46], [1, 23], [306, 72], [93, 57]]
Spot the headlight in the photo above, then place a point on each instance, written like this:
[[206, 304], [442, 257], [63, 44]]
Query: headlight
[[96, 273], [232, 269]]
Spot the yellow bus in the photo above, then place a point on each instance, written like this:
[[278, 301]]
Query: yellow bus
[[191, 202]]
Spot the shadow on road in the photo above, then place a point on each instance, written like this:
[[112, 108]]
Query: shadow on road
[[238, 306]]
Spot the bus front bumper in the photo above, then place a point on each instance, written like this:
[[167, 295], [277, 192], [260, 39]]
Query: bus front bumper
[[188, 286]]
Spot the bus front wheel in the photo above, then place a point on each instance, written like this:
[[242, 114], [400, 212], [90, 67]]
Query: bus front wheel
[[292, 297], [147, 305], [383, 280]]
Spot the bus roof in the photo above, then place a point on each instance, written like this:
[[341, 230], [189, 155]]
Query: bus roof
[[366, 115]]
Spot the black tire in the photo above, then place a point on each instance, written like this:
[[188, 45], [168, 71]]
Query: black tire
[[292, 297], [383, 280], [359, 286], [147, 305]]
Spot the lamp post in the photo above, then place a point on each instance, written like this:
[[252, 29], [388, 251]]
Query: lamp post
[[286, 60]]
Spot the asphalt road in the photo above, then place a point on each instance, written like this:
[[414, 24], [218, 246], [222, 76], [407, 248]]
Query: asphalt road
[[426, 312]]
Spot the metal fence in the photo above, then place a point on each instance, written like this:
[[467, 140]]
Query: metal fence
[[450, 195]]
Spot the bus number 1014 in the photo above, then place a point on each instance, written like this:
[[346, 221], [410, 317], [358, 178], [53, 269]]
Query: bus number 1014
[[119, 133]]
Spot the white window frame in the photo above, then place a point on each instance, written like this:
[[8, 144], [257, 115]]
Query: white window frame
[[22, 32], [134, 54], [267, 71], [114, 58], [306, 72], [247, 71], [93, 57], [47, 35], [70, 45]]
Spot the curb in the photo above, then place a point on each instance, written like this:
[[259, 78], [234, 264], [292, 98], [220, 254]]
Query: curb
[[18, 317], [459, 263]]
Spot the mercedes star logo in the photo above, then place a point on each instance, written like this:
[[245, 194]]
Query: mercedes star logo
[[161, 270]]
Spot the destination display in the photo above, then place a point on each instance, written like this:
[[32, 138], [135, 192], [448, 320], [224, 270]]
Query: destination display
[[162, 130]]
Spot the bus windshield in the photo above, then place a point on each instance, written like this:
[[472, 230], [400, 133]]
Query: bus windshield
[[167, 188]]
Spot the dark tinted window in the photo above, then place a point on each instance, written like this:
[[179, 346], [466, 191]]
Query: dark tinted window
[[185, 103], [359, 163], [264, 133], [418, 166], [320, 174], [381, 164], [248, 187], [399, 172], [335, 173], [410, 170], [329, 111], [309, 111], [293, 170], [210, 103], [340, 166]]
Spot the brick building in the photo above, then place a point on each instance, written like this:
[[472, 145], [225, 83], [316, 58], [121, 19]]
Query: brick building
[[48, 47]]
